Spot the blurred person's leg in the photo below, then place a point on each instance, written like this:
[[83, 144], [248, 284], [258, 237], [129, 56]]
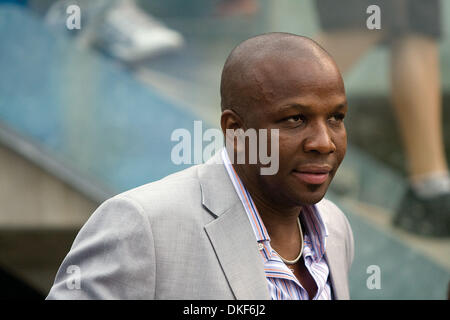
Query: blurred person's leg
[[416, 94], [347, 47], [417, 100], [344, 33]]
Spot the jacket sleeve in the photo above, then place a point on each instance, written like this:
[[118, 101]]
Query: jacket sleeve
[[112, 257]]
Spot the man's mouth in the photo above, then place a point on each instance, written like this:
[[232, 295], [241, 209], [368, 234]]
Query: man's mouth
[[312, 174]]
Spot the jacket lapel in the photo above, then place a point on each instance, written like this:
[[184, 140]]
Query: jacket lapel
[[231, 234], [334, 253], [236, 248], [337, 270]]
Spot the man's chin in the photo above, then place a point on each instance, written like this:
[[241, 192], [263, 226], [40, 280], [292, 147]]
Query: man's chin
[[311, 200], [312, 195]]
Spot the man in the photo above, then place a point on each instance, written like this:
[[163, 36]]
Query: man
[[224, 231]]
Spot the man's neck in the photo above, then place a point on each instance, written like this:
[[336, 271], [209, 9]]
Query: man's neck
[[280, 222]]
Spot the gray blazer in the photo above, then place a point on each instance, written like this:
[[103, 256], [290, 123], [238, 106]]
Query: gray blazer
[[186, 236]]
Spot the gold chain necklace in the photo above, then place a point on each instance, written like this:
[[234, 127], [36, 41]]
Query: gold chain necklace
[[291, 262]]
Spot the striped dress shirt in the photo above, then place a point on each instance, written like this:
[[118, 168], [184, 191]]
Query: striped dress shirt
[[283, 285]]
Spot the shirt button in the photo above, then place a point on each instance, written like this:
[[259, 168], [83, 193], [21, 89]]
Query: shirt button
[[260, 246]]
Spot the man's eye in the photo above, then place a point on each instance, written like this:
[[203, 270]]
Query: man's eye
[[338, 117], [295, 119]]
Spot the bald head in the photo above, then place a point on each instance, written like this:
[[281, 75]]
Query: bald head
[[259, 67]]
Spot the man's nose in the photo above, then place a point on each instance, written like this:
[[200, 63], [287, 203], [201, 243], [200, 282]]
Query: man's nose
[[319, 139]]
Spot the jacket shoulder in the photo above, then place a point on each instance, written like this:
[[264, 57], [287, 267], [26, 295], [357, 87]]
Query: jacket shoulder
[[175, 198]]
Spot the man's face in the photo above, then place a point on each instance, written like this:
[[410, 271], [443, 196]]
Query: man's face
[[307, 103]]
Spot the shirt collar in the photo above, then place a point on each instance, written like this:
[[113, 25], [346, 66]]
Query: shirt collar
[[256, 222], [316, 230]]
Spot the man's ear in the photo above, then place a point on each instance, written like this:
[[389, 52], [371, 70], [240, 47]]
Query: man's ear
[[230, 123], [230, 120]]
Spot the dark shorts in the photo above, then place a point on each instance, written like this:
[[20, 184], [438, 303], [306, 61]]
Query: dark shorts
[[398, 17]]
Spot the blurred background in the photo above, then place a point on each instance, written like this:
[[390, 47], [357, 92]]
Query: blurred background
[[88, 103]]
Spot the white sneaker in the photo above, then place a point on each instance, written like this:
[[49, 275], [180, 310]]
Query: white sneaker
[[130, 34]]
